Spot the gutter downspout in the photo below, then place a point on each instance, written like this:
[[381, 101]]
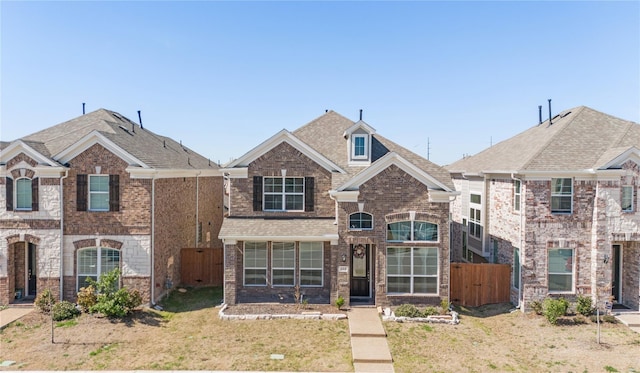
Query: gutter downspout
[[519, 305], [197, 206], [66, 174], [153, 238], [450, 240]]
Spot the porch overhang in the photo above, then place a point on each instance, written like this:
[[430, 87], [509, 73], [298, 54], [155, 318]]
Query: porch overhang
[[236, 229]]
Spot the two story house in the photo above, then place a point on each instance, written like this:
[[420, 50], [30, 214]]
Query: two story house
[[558, 202], [332, 210], [100, 192]]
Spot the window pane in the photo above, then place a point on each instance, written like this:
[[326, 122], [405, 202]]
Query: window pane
[[23, 194], [272, 185], [400, 231], [398, 284], [282, 277], [294, 202], [99, 193], [560, 269], [560, 282], [360, 220], [359, 146], [311, 254], [294, 185], [99, 183], [109, 260], [283, 254], [273, 202], [561, 204], [255, 276], [88, 262], [516, 268], [425, 231], [627, 198], [425, 285], [476, 198], [309, 277], [255, 255], [399, 261]]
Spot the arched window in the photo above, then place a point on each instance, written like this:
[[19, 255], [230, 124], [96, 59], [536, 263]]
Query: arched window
[[360, 220], [412, 230], [23, 194], [94, 261]]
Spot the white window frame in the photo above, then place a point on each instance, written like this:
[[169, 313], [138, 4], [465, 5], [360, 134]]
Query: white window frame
[[475, 227], [412, 228], [563, 273], [275, 266], [313, 247], [283, 193], [630, 196], [352, 228], [365, 154], [17, 196], [255, 245], [412, 276], [561, 194], [517, 195], [99, 265], [98, 192]]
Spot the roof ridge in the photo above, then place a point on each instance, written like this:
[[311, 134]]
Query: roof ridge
[[317, 118], [550, 140]]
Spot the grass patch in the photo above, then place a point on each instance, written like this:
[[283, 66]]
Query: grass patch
[[192, 299], [67, 323]]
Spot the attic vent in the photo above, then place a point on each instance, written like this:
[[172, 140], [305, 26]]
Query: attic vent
[[126, 130], [118, 116], [565, 114]]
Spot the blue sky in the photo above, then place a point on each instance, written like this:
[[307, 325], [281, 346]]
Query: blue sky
[[224, 76]]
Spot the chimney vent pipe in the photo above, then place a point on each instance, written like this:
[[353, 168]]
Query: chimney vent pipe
[[360, 114], [550, 123], [83, 108], [140, 119], [539, 114]]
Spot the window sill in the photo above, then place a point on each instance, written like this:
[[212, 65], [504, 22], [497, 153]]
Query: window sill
[[412, 295]]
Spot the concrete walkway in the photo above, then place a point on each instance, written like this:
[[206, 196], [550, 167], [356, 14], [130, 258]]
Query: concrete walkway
[[369, 341], [630, 319], [11, 314]]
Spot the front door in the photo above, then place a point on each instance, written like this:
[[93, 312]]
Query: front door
[[31, 269], [616, 273], [360, 272]]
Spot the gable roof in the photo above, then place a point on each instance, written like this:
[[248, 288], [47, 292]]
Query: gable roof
[[576, 139], [120, 135]]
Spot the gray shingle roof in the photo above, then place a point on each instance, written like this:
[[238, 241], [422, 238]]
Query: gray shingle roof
[[576, 139], [278, 228], [325, 135], [154, 150]]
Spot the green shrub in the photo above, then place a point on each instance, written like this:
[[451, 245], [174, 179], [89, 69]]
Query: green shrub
[[554, 309], [604, 318], [584, 305], [536, 306], [44, 301], [340, 302], [111, 301], [408, 310], [87, 298], [430, 311], [444, 305], [64, 310]]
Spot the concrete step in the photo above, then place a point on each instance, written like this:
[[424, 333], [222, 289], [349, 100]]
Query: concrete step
[[373, 367], [365, 322]]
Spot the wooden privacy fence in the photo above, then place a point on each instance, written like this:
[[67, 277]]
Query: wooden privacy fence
[[201, 267], [473, 285]]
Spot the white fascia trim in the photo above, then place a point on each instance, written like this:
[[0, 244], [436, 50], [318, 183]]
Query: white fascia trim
[[235, 173], [92, 138], [631, 154], [152, 173], [332, 238], [277, 139], [441, 196], [53, 172], [386, 161], [546, 175], [18, 147], [345, 195], [359, 124]]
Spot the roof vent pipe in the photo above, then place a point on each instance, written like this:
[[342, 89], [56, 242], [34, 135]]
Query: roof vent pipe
[[83, 108], [539, 114], [140, 119], [550, 123], [360, 114]]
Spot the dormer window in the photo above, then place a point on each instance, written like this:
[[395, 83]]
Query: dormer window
[[359, 147]]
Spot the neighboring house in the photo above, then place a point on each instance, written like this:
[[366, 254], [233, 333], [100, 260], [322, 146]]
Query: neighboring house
[[333, 209], [559, 202], [96, 193]]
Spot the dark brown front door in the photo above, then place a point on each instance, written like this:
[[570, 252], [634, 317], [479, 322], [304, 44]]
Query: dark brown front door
[[31, 269], [615, 280], [360, 272]]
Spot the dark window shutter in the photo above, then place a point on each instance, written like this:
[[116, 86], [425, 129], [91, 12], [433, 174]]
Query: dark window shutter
[[257, 193], [309, 193], [81, 193], [34, 194], [114, 192], [9, 194]]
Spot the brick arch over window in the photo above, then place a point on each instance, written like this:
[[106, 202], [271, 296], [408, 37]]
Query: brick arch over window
[[404, 216], [19, 158], [18, 173], [27, 238]]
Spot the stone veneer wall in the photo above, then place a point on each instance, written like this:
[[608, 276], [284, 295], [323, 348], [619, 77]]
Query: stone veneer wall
[[391, 191]]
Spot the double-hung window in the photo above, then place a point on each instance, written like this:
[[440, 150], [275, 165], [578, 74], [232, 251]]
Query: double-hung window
[[359, 146], [284, 193], [360, 220], [99, 192], [311, 263], [560, 270], [255, 263], [283, 258], [95, 261], [627, 198], [475, 216], [561, 195], [412, 270], [23, 194]]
